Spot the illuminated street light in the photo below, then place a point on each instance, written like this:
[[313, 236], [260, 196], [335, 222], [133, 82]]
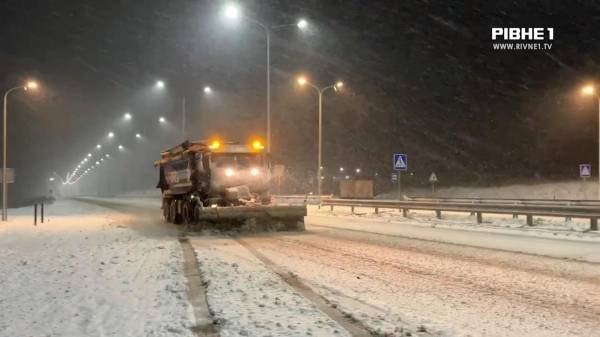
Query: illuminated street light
[[107, 155], [51, 179], [138, 136], [207, 90], [162, 120], [31, 85], [27, 86], [357, 170], [302, 24], [159, 84], [98, 146], [341, 169], [120, 147], [127, 116], [97, 163], [89, 155], [303, 81], [233, 12], [111, 134], [589, 90]]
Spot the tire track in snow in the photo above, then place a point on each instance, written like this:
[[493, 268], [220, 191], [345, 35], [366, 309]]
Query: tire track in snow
[[354, 327], [196, 291]]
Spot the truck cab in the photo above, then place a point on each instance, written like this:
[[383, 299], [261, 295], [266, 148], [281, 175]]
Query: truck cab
[[234, 165]]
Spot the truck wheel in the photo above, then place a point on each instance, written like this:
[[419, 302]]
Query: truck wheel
[[175, 215], [187, 212], [166, 209]]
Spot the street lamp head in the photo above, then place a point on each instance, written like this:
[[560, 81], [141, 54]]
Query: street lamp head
[[31, 85], [98, 146], [120, 147], [207, 90], [111, 135], [341, 169], [588, 90], [302, 80], [302, 24], [138, 136], [127, 116], [160, 84], [107, 155], [89, 155], [162, 120], [339, 84], [51, 179], [232, 11]]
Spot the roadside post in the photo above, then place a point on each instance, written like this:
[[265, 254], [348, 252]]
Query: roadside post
[[400, 164], [10, 179], [585, 171], [433, 179]]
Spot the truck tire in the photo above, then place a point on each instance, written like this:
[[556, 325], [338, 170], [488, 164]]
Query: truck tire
[[174, 215], [166, 208], [187, 213]]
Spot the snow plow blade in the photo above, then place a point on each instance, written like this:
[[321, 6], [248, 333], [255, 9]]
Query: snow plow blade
[[254, 217]]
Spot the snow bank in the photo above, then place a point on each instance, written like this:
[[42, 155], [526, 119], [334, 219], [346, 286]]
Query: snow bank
[[574, 190], [85, 273]]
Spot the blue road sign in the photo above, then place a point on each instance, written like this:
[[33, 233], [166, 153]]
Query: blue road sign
[[585, 170], [400, 162]]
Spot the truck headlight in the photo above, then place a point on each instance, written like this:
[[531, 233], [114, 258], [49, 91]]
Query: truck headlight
[[254, 171], [229, 172]]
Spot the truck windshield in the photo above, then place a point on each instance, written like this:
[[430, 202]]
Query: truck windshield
[[241, 160]]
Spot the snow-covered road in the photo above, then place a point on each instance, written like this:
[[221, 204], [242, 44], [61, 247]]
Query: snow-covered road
[[365, 270], [392, 283], [88, 271]]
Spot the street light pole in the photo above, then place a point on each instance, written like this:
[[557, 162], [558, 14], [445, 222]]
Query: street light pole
[[268, 32], [320, 91], [589, 90], [319, 164], [183, 120], [4, 147], [234, 12]]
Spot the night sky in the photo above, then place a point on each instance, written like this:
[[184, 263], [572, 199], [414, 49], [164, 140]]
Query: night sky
[[421, 77]]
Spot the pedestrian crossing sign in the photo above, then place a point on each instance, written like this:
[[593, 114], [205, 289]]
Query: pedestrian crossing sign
[[400, 162], [585, 170]]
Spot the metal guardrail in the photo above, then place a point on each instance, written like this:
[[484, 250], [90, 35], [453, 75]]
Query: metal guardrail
[[566, 202], [296, 199], [438, 205]]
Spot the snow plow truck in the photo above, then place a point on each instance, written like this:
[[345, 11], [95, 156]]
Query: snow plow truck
[[222, 185]]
